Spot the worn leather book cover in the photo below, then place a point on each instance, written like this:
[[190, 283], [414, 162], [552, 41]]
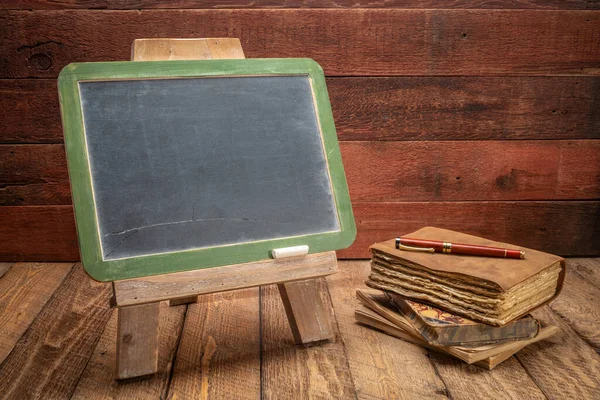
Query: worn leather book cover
[[491, 290], [441, 327], [377, 312]]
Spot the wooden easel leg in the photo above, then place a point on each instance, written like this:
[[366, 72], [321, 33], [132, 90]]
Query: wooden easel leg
[[137, 340], [183, 300], [308, 315]]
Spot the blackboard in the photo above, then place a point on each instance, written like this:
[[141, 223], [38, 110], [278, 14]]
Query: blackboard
[[201, 164]]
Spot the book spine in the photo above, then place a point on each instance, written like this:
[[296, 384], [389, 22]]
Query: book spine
[[481, 334], [428, 333]]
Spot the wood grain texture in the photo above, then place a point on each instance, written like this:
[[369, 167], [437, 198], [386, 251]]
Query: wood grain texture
[[562, 364], [219, 352], [29, 111], [589, 268], [24, 291], [467, 170], [220, 4], [229, 277], [382, 367], [380, 171], [308, 315], [4, 267], [459, 108], [357, 42], [33, 175], [186, 49], [300, 372], [98, 380], [539, 225], [183, 300], [61, 340], [579, 305], [38, 234], [51, 356], [506, 381], [385, 108], [137, 340]]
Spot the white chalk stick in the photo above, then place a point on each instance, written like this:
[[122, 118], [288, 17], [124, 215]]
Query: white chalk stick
[[290, 251]]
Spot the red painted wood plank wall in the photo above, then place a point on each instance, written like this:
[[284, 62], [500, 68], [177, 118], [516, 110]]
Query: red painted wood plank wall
[[471, 115]]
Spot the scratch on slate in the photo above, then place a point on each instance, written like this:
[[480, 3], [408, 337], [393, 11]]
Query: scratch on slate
[[133, 231], [148, 226], [187, 221], [121, 242]]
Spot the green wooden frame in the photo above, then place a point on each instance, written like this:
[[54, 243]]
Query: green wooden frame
[[81, 180]]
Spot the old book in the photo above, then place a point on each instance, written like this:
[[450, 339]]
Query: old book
[[491, 290], [376, 312], [441, 327]]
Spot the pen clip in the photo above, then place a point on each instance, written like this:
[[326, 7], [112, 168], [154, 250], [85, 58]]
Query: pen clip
[[410, 248]]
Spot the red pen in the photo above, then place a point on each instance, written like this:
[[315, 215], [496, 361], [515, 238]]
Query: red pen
[[432, 246]]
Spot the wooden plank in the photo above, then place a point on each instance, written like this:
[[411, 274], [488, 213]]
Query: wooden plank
[[468, 170], [380, 171], [589, 268], [4, 267], [219, 352], [465, 108], [563, 365], [229, 277], [159, 4], [98, 380], [358, 42], [24, 291], [385, 108], [38, 234], [29, 111], [49, 359], [33, 175], [382, 367], [186, 49], [579, 305], [539, 225], [508, 380], [307, 314], [137, 340], [48, 233], [300, 372]]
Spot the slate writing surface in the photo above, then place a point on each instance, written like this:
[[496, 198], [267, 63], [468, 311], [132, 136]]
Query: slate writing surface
[[180, 164]]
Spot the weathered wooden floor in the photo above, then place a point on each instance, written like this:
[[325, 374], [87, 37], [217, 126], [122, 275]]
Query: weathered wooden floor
[[57, 341]]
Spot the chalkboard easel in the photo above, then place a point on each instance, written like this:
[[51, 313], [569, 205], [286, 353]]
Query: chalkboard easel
[[137, 300]]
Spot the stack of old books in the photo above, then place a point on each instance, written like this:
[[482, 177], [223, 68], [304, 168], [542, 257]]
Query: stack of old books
[[473, 308]]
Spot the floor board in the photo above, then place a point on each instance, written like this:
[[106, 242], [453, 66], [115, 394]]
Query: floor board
[[299, 372], [564, 366], [589, 268], [219, 351], [98, 379], [579, 306], [24, 291], [4, 266], [382, 367], [49, 359], [238, 345]]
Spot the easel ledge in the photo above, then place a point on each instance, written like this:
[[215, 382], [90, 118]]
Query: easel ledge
[[179, 285], [138, 299]]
